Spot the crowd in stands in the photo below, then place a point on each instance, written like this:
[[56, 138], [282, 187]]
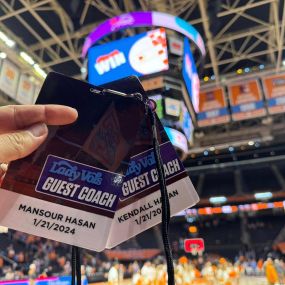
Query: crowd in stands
[[23, 255], [26, 255], [33, 257]]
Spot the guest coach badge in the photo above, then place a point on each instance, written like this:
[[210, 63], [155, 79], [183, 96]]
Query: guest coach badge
[[140, 201]]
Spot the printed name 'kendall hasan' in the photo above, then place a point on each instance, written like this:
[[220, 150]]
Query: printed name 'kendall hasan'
[[86, 194]]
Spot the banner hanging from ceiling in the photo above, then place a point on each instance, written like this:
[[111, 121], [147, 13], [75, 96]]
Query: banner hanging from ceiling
[[274, 87], [25, 93], [246, 100], [213, 108], [9, 78], [37, 90]]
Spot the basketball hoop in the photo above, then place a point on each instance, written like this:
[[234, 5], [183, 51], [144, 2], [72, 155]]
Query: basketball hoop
[[194, 246]]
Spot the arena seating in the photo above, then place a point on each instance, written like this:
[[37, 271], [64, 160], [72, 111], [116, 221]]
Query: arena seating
[[218, 184], [260, 179], [257, 226], [147, 239], [223, 235]]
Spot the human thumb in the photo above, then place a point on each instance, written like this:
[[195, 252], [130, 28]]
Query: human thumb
[[21, 143]]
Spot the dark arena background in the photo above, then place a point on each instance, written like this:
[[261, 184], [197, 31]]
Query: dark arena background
[[216, 70]]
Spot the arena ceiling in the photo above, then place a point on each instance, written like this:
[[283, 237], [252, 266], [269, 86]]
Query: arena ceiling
[[237, 33]]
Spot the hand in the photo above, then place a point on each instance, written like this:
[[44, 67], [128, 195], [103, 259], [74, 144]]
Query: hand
[[24, 128]]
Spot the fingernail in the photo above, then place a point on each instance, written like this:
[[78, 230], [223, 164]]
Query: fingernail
[[3, 167], [38, 130]]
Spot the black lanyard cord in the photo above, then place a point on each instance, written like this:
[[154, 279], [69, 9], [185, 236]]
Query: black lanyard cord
[[78, 265], [165, 206], [75, 266]]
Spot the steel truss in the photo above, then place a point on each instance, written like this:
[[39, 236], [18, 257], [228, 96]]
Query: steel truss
[[260, 42]]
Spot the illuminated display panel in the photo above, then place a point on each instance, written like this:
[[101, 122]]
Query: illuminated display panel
[[172, 107], [159, 105], [143, 19], [190, 75], [186, 123], [177, 138], [138, 55]]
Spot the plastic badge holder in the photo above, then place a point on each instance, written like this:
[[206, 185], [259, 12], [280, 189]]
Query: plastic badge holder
[[112, 137]]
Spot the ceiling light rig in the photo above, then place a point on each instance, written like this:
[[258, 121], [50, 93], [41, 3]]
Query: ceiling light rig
[[206, 153], [231, 149], [27, 58], [40, 71], [263, 195], [218, 200], [239, 71], [9, 42]]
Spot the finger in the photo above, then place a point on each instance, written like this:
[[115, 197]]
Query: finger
[[16, 117], [20, 144]]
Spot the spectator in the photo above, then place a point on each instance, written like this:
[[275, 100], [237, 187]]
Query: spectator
[[113, 275]]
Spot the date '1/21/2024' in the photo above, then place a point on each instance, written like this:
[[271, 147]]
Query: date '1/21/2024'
[[53, 226]]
